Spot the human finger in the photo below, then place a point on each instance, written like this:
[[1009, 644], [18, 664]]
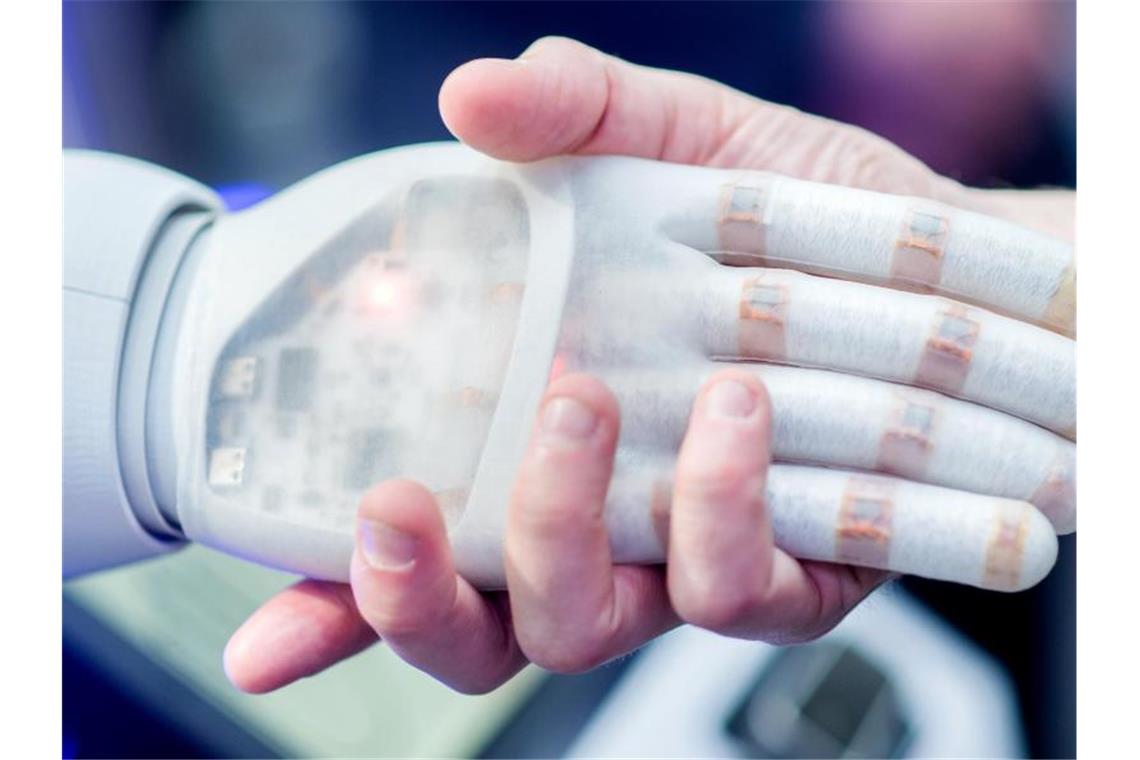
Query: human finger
[[297, 633], [721, 547], [561, 96], [406, 587], [854, 518], [573, 609]]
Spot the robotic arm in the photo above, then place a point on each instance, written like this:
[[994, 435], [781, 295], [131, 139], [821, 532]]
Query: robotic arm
[[240, 379], [128, 228]]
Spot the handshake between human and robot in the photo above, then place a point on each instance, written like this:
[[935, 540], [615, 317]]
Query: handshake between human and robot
[[240, 379]]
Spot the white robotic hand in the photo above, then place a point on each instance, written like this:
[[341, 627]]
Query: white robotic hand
[[400, 314]]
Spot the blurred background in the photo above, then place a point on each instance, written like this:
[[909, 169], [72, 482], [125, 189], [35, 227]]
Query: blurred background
[[250, 97]]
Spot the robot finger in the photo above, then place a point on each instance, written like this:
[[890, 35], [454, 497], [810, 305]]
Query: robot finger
[[789, 317], [768, 220], [858, 519], [847, 421]]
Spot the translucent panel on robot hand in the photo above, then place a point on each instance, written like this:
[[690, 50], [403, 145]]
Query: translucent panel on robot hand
[[381, 354]]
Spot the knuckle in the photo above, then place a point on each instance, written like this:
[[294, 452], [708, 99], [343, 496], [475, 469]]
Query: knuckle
[[723, 610], [571, 661], [857, 159], [553, 522], [551, 40], [863, 159], [475, 685], [552, 508], [727, 481], [406, 611], [547, 465], [568, 657], [392, 620], [802, 635]]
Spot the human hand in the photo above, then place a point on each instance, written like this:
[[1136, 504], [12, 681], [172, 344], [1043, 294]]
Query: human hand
[[567, 607], [561, 97], [566, 98]]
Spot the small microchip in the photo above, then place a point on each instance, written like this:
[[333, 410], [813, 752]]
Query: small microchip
[[363, 458], [296, 379], [765, 297], [957, 329], [745, 204], [285, 425], [227, 467], [764, 301], [863, 511], [229, 422], [926, 226], [272, 499], [237, 378], [917, 418], [311, 499]]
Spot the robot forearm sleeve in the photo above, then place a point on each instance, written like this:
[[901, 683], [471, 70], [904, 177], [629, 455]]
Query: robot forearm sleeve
[[127, 224]]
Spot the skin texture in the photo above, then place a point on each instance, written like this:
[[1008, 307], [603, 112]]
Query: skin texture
[[568, 608]]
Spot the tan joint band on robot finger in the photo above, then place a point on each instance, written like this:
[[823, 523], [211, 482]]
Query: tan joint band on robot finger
[[763, 313], [1006, 546], [470, 397], [918, 253], [949, 351], [660, 507], [506, 293], [1061, 311], [905, 446], [863, 531], [742, 221], [1057, 494], [397, 239]]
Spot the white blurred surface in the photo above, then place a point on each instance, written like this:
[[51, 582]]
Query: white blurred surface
[[676, 699]]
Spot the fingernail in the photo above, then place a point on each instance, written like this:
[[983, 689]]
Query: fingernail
[[385, 547], [729, 398], [567, 419]]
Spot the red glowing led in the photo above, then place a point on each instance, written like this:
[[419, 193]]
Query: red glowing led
[[384, 292]]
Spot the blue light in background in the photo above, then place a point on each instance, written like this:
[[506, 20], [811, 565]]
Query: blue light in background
[[70, 747], [240, 195]]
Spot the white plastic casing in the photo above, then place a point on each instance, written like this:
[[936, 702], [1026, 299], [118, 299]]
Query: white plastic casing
[[116, 212], [327, 223], [302, 374]]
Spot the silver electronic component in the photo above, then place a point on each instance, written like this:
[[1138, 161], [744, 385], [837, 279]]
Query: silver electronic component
[[296, 378], [227, 467], [230, 423], [237, 378]]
